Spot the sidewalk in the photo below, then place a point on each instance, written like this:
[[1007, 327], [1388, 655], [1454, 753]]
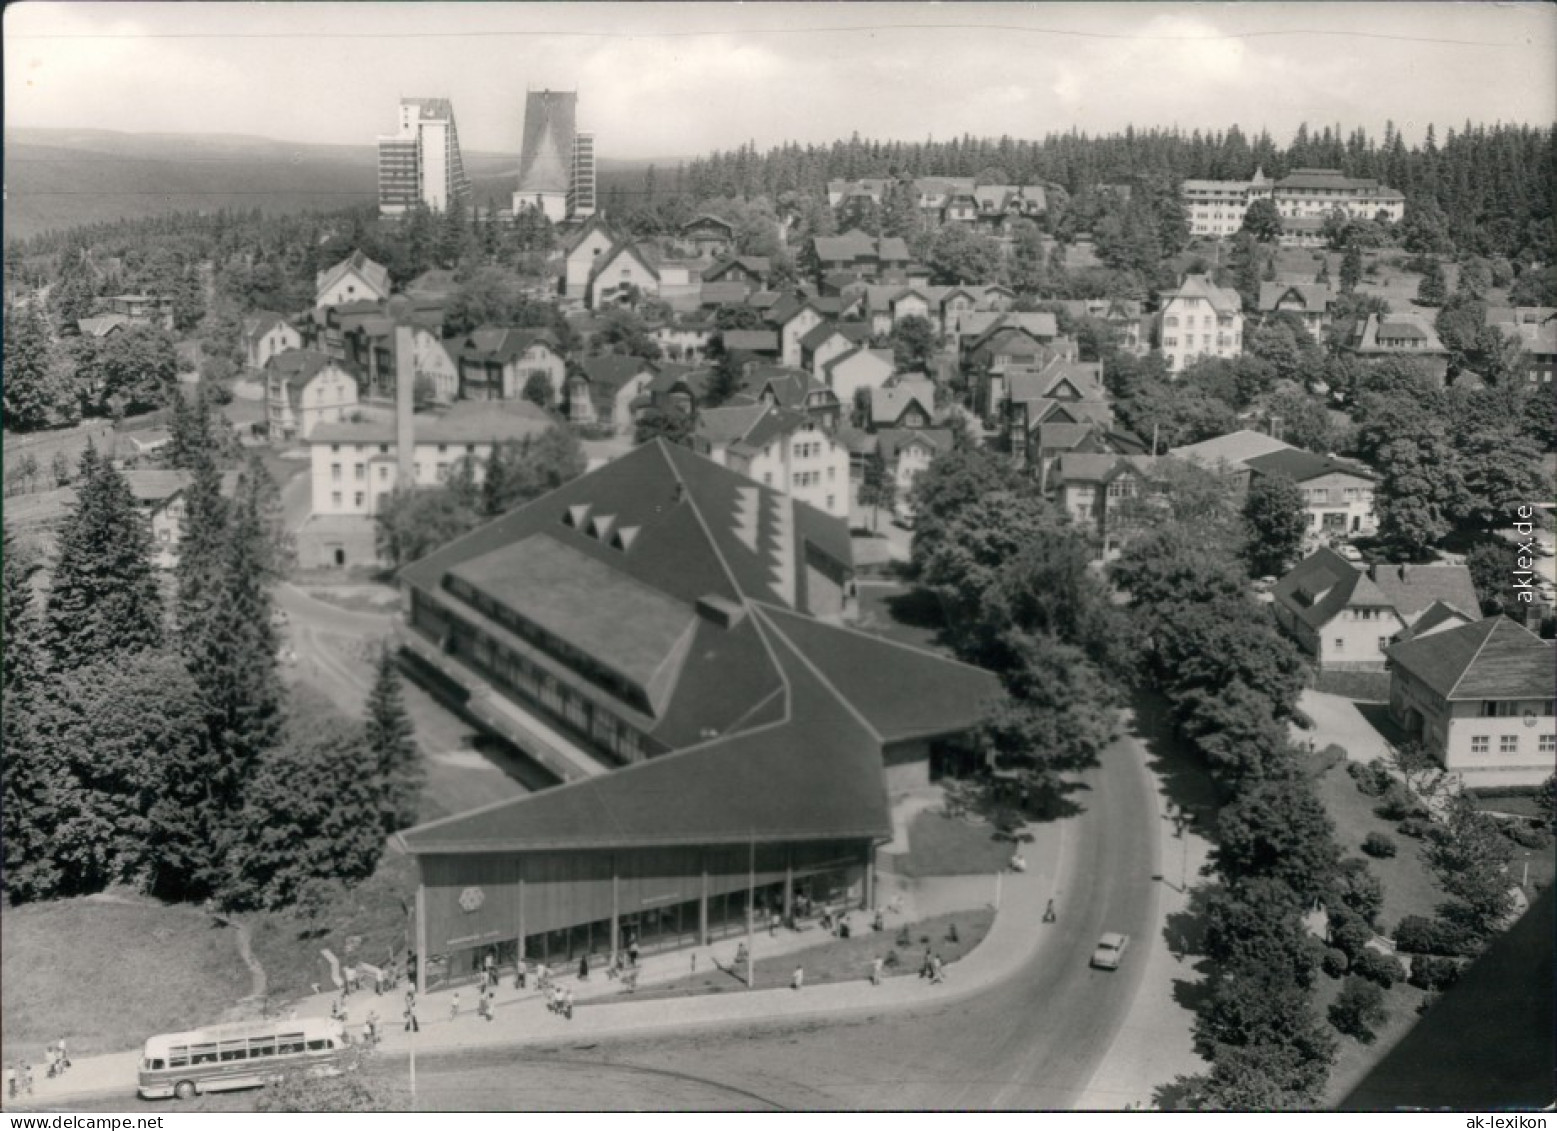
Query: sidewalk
[[521, 1018]]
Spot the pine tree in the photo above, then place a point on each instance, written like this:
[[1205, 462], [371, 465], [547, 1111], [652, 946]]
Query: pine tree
[[1432, 290], [202, 551], [27, 806], [1351, 268], [391, 740], [230, 651], [105, 598], [32, 390]]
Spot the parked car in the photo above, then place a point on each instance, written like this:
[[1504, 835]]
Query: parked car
[[1349, 552], [1110, 951]]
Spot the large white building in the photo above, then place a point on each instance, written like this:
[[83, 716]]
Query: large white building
[[1216, 208], [355, 465], [420, 162], [1200, 319], [779, 448]]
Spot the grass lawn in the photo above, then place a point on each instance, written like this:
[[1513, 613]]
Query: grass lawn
[[902, 613], [370, 922], [1354, 1059], [837, 960], [1409, 887], [951, 846], [105, 976]]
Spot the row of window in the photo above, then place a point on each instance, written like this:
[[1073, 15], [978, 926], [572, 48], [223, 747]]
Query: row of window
[[1512, 708], [1172, 321], [1509, 744], [813, 478], [808, 450], [536, 685], [1223, 341], [358, 498]]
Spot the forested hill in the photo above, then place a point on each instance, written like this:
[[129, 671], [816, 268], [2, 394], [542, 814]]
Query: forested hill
[[1500, 178], [61, 179]]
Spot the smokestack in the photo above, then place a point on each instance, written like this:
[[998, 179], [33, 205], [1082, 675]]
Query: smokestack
[[399, 311]]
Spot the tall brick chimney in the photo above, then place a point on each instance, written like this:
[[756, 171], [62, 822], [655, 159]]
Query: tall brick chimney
[[399, 311]]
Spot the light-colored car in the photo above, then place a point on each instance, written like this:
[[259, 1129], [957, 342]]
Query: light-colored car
[[1264, 584], [1349, 552], [1110, 951]]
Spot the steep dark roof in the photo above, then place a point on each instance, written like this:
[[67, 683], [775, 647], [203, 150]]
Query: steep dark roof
[[1323, 584], [1301, 466], [1490, 659], [893, 440], [813, 773]]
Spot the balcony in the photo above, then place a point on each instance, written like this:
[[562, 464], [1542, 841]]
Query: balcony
[[502, 716]]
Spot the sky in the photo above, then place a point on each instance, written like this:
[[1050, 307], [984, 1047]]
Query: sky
[[675, 80]]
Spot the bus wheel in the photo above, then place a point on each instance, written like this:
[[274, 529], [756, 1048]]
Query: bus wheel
[[184, 1090]]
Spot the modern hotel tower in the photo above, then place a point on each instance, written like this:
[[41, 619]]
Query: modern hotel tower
[[421, 163], [556, 162]]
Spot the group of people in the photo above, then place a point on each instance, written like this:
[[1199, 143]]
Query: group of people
[[932, 967], [19, 1078]]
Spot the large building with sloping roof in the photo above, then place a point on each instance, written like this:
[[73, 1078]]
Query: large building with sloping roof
[[1480, 696], [650, 633]]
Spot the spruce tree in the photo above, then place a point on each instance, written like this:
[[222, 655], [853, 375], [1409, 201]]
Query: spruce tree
[[105, 599], [202, 552], [27, 807], [391, 740], [1351, 268], [230, 650]]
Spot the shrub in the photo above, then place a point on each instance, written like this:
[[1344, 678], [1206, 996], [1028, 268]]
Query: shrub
[[1348, 932], [1379, 846], [1430, 973], [1335, 963], [1385, 969], [1372, 778], [1358, 889], [1419, 935], [1398, 803], [1415, 827], [1527, 835], [1359, 1009]]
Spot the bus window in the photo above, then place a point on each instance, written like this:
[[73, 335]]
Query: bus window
[[262, 1046], [234, 1050], [319, 1045], [202, 1054], [178, 1056], [154, 1064], [291, 1044]]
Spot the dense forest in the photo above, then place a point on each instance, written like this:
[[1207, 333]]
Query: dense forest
[[1494, 183]]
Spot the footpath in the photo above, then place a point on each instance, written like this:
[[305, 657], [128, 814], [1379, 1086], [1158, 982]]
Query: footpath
[[606, 1010]]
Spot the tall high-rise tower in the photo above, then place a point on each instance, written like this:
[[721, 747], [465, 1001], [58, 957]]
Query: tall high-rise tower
[[422, 161], [556, 162], [581, 186]]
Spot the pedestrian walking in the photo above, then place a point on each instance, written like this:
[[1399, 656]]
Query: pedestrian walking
[[567, 1004], [411, 1025], [875, 970], [583, 967], [632, 954], [27, 1079], [927, 967], [694, 962], [351, 980], [878, 922], [489, 965], [937, 970], [519, 974], [454, 1006], [378, 981], [484, 1008], [542, 976], [798, 978]]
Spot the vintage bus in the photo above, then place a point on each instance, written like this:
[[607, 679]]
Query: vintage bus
[[243, 1054]]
